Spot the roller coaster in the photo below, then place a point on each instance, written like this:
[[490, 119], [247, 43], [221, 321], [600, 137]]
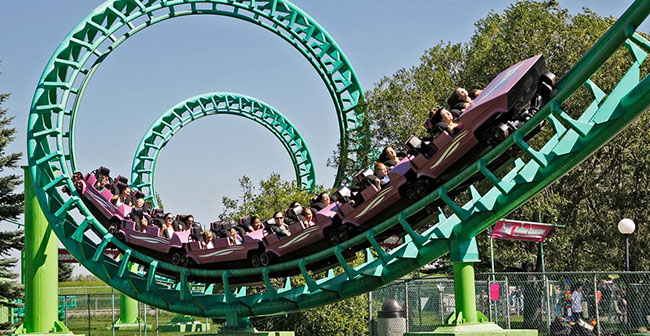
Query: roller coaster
[[52, 163]]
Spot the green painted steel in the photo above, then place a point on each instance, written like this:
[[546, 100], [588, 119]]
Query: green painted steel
[[573, 141], [465, 294], [81, 53], [41, 267], [215, 103], [128, 307]]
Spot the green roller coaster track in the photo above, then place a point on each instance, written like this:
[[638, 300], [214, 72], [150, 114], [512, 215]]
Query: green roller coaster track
[[66, 75], [572, 142], [185, 112]]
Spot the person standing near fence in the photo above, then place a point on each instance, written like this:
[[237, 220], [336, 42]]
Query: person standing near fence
[[576, 300]]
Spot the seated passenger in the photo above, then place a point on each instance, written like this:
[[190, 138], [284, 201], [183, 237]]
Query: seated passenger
[[76, 178], [389, 157], [234, 238], [144, 223], [189, 222], [123, 197], [459, 101], [473, 93], [167, 229], [452, 126], [294, 214], [280, 228], [256, 223], [101, 183], [309, 218], [208, 237], [138, 201], [322, 201], [381, 173]]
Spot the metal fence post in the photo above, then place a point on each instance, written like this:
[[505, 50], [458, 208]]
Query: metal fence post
[[145, 319], [596, 305], [112, 312], [507, 303], [88, 304], [157, 321], [489, 303], [406, 304], [548, 303], [65, 309], [139, 319], [370, 312], [441, 305], [419, 297]]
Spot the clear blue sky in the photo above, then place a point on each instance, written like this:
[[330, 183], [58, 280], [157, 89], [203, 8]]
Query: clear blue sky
[[181, 58]]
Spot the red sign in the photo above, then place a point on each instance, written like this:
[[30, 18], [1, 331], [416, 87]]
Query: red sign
[[517, 230], [494, 292], [66, 257]]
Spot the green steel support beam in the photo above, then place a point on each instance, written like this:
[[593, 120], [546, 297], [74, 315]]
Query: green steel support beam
[[569, 146], [217, 103], [72, 59], [41, 269], [465, 293]]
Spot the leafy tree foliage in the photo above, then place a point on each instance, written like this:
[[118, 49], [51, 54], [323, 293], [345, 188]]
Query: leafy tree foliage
[[65, 272], [11, 205], [589, 200], [274, 194], [347, 317]]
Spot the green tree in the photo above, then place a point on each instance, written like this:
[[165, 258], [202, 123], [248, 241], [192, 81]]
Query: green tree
[[597, 194], [274, 194], [343, 318], [590, 199], [348, 317], [11, 205], [65, 272]]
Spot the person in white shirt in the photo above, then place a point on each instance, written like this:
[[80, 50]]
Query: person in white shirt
[[208, 237], [576, 303]]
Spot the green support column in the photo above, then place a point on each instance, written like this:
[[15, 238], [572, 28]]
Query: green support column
[[466, 319], [465, 292], [128, 310], [41, 264], [129, 319]]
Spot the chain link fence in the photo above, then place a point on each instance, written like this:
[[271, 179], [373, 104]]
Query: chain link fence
[[97, 313], [617, 302]]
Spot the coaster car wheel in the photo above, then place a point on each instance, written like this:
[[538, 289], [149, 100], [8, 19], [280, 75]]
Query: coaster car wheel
[[184, 261], [176, 258], [255, 260], [265, 259]]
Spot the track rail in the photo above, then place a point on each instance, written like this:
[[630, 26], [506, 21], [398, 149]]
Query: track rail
[[572, 142], [217, 103]]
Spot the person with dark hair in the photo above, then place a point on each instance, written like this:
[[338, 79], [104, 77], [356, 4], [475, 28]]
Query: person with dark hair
[[256, 223], [234, 237], [123, 197], [448, 122], [322, 201], [101, 183], [473, 93], [459, 100], [281, 229], [167, 229], [189, 222], [389, 157]]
